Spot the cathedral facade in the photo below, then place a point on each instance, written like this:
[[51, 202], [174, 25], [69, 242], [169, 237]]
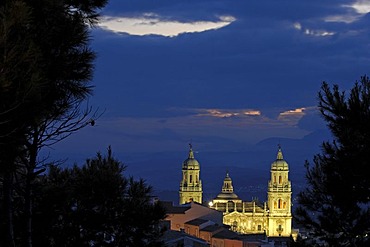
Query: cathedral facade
[[272, 217]]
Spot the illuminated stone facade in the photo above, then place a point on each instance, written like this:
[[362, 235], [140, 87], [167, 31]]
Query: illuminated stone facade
[[273, 218], [190, 185], [279, 198]]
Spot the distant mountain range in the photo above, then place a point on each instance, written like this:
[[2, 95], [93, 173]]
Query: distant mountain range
[[249, 169]]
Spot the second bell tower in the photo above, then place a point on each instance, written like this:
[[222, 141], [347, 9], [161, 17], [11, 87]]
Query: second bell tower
[[190, 185], [279, 198]]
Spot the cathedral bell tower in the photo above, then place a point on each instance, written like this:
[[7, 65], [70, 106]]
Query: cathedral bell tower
[[190, 185], [279, 198]]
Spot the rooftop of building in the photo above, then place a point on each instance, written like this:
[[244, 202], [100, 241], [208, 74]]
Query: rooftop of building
[[226, 234], [171, 209], [176, 236], [213, 228], [196, 222]]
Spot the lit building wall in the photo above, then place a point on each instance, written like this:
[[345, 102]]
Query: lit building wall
[[272, 218]]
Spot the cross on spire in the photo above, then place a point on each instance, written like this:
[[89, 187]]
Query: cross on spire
[[280, 153]]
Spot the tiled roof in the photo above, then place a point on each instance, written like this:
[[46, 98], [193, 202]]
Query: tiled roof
[[212, 228], [196, 222], [171, 209], [176, 236], [253, 237], [226, 234]]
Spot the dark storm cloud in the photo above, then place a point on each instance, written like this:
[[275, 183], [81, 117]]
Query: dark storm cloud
[[198, 9], [271, 59]]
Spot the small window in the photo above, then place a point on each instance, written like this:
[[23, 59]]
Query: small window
[[259, 227], [191, 178], [280, 230]]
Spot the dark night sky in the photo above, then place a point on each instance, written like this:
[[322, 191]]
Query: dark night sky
[[225, 75]]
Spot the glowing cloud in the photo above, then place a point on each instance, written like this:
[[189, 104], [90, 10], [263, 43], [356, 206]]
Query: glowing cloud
[[341, 18], [252, 113], [298, 111], [318, 32], [153, 24], [361, 7], [221, 114], [307, 31], [297, 26], [227, 113], [292, 117]]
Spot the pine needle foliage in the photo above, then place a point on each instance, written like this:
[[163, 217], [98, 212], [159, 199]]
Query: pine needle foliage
[[335, 206]]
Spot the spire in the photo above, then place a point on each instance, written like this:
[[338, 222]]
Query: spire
[[279, 154], [228, 186], [191, 154]]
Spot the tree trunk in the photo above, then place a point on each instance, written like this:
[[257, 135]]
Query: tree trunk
[[30, 176], [28, 208], [8, 209]]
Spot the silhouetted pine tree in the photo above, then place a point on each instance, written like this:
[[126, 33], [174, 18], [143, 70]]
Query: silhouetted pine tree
[[95, 205], [335, 207], [45, 69]]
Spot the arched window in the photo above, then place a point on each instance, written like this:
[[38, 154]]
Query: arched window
[[191, 178], [280, 203], [279, 179], [280, 230]]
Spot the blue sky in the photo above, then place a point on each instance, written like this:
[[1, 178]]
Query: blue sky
[[224, 75]]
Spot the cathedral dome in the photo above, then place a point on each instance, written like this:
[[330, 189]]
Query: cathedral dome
[[279, 164], [227, 190], [227, 196], [191, 163]]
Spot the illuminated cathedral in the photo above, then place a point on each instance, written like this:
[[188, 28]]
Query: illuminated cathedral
[[273, 217]]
